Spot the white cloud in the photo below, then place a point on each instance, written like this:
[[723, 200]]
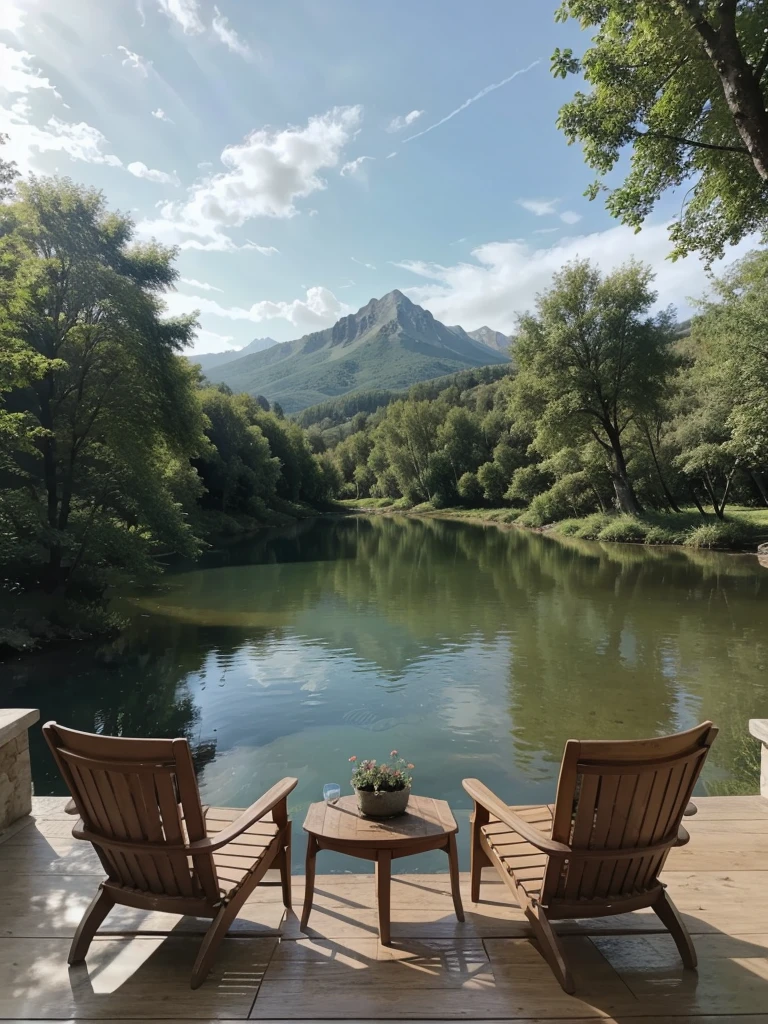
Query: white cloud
[[79, 141], [471, 100], [539, 207], [12, 17], [266, 173], [205, 164], [368, 266], [136, 61], [389, 156], [228, 36], [355, 168], [186, 14], [140, 170], [201, 285], [547, 208], [506, 276], [161, 115], [318, 309], [210, 341], [545, 231], [265, 250], [313, 213], [398, 123], [16, 75]]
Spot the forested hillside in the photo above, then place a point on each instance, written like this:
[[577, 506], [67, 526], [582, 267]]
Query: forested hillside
[[611, 407]]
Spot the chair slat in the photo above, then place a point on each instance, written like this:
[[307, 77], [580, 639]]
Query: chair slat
[[172, 829]]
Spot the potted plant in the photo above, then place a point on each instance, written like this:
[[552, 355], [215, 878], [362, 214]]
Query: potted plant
[[382, 789]]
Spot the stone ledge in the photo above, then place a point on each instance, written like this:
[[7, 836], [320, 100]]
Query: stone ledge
[[759, 729], [15, 769], [14, 721]]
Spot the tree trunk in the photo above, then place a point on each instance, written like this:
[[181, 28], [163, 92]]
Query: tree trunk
[[625, 494], [740, 83], [759, 482], [667, 493], [709, 488], [696, 501]]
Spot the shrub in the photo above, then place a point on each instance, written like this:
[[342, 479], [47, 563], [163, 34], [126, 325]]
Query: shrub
[[623, 528], [569, 528], [470, 488], [718, 535]]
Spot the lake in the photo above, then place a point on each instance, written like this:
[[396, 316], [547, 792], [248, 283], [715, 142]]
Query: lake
[[473, 651]]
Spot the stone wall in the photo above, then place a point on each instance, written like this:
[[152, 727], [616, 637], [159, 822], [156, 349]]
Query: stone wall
[[759, 729], [15, 769]]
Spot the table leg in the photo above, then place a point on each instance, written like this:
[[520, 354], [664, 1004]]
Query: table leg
[[383, 877], [453, 867], [309, 881]]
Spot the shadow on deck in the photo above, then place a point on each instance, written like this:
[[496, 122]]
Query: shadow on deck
[[626, 968]]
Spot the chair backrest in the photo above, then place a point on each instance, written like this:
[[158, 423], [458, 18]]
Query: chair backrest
[[140, 807], [627, 796]]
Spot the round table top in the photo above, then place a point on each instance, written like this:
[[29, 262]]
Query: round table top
[[425, 818]]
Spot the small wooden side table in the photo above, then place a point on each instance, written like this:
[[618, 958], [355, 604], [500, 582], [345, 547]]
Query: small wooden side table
[[427, 825]]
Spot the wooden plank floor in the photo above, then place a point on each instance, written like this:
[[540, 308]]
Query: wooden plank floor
[[626, 968]]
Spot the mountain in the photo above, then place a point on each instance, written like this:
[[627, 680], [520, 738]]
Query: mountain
[[207, 360], [493, 339], [390, 344]]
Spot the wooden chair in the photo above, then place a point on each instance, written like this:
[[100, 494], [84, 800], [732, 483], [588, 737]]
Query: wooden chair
[[600, 848], [140, 807]]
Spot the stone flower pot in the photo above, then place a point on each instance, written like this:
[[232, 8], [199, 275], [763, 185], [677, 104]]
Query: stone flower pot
[[382, 804]]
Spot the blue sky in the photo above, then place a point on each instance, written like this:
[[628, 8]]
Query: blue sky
[[258, 136]]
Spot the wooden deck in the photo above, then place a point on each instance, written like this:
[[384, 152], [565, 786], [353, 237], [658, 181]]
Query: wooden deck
[[485, 969]]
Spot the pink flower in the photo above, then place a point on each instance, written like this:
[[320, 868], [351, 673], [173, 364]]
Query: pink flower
[[353, 758], [393, 753], [411, 766]]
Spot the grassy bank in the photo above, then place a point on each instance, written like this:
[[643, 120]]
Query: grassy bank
[[742, 530]]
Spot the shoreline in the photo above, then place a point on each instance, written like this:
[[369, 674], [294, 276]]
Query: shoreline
[[757, 546]]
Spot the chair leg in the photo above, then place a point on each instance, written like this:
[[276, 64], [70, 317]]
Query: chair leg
[[551, 947], [210, 944], [478, 859], [224, 918], [100, 906], [669, 915], [284, 864]]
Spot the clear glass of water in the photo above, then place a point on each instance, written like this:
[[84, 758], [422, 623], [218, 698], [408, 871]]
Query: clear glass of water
[[331, 792]]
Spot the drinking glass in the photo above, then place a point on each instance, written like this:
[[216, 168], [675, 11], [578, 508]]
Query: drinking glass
[[331, 792]]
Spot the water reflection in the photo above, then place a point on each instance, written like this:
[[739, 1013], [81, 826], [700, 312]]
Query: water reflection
[[472, 650]]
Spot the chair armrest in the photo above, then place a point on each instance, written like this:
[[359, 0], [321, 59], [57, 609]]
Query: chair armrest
[[277, 794], [682, 837], [483, 796], [690, 810]]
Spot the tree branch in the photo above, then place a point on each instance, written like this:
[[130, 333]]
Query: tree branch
[[761, 65], [692, 142], [698, 21]]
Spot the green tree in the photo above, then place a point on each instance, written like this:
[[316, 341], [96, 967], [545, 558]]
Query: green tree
[[105, 410], [591, 359], [722, 429], [684, 83], [404, 443], [238, 470]]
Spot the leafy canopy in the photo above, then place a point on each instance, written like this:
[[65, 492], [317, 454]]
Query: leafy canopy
[[683, 82]]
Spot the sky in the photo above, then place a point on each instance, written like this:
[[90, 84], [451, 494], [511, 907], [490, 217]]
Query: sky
[[308, 156]]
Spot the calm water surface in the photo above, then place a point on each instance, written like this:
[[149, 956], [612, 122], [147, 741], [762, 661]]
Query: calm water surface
[[474, 652]]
